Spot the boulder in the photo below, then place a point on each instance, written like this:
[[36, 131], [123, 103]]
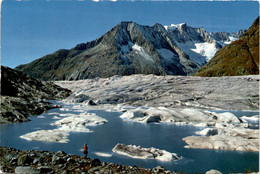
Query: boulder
[[45, 169], [57, 160], [26, 169], [158, 169], [24, 160], [95, 162]]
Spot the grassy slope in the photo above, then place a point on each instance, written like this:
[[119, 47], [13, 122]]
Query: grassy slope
[[241, 57]]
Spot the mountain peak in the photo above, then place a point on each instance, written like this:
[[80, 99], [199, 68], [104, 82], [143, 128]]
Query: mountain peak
[[126, 23], [174, 26], [129, 48]]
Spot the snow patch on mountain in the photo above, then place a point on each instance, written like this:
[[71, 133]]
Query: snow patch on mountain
[[141, 51], [173, 26], [194, 56], [205, 49], [127, 49], [231, 39], [138, 48]]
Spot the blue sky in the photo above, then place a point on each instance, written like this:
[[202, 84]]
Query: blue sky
[[32, 29]]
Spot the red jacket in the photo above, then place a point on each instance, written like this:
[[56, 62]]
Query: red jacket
[[85, 148]]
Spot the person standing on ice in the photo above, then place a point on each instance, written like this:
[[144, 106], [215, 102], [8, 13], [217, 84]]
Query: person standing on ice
[[85, 150]]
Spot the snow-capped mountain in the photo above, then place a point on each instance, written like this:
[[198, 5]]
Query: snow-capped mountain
[[130, 48], [197, 43], [226, 38], [240, 57]]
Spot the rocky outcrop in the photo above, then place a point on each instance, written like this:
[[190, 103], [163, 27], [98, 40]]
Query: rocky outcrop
[[32, 161], [222, 36], [15, 109], [183, 33], [22, 95], [17, 84], [238, 34], [227, 37], [241, 57]]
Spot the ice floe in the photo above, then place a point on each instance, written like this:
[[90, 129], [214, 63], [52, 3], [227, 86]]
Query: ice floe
[[78, 123], [239, 139], [254, 118], [224, 131], [102, 154], [222, 142], [71, 123], [41, 116], [53, 113], [134, 151], [55, 135], [56, 118], [188, 116]]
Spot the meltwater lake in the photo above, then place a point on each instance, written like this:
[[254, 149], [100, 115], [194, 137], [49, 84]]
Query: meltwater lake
[[104, 137]]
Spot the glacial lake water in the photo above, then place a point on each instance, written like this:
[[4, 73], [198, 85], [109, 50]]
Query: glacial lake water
[[105, 137]]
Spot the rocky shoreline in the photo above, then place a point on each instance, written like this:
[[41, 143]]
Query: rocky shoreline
[[32, 161]]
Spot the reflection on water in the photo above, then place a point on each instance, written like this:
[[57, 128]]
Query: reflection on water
[[105, 137]]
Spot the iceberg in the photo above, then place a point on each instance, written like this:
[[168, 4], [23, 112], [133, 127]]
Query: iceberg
[[72, 123], [134, 151]]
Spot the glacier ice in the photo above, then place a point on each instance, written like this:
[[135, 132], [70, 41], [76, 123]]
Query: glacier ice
[[139, 152]]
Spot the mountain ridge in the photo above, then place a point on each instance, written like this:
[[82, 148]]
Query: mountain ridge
[[128, 48], [241, 57]]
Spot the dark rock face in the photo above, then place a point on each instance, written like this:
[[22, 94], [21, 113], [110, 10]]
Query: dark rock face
[[241, 57], [128, 48], [17, 84], [32, 161], [238, 34], [22, 95], [220, 36], [225, 37]]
